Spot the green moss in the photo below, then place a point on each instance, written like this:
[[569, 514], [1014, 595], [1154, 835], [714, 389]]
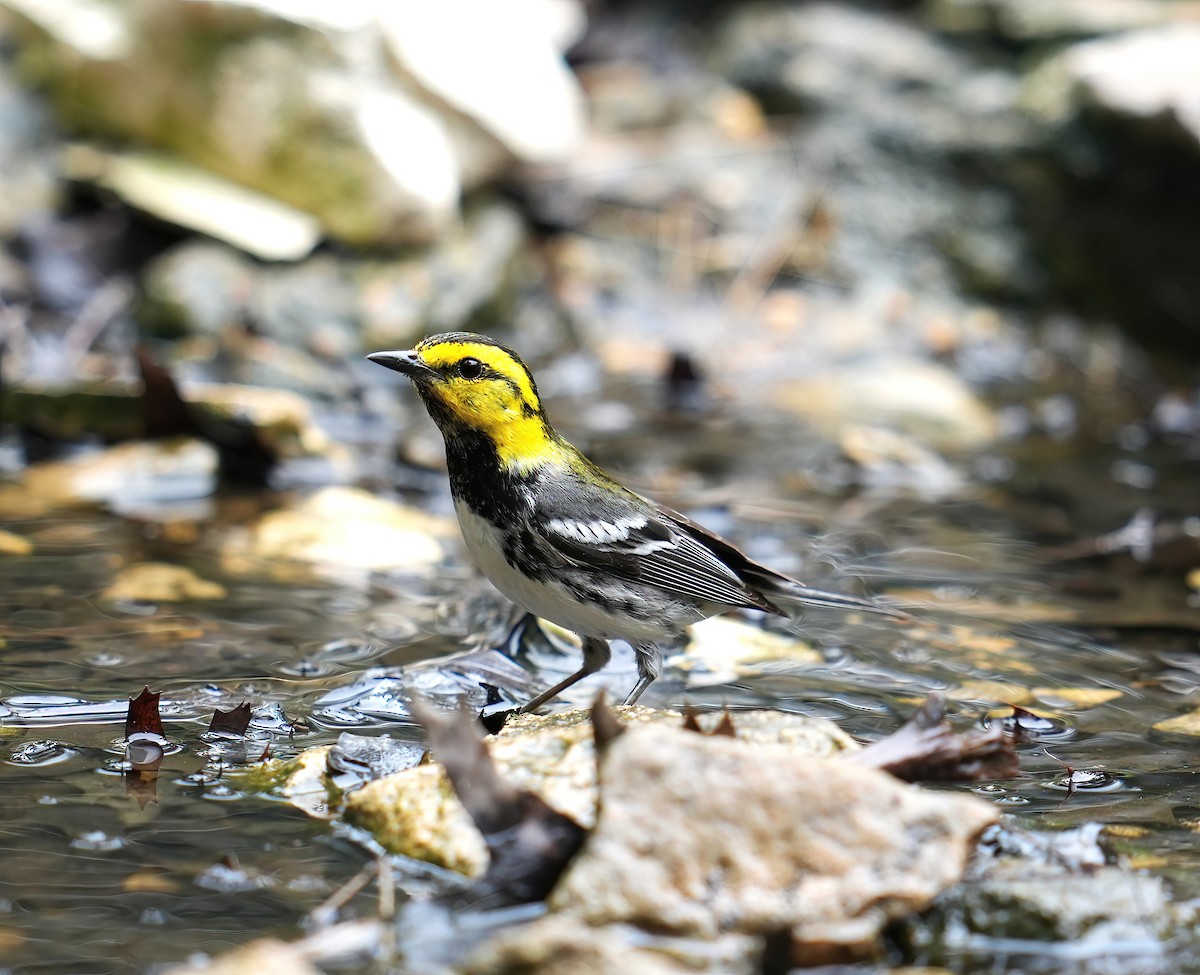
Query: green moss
[[110, 411]]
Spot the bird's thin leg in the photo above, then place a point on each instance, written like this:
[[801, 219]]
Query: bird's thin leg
[[649, 662], [596, 654]]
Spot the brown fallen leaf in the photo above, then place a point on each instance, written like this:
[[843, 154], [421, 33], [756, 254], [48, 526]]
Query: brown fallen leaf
[[926, 749], [233, 722], [529, 842], [143, 717]]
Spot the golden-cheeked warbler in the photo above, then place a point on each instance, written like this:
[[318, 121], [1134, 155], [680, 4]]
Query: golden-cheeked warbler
[[562, 539]]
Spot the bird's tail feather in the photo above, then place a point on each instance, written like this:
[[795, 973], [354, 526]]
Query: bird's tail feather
[[797, 592]]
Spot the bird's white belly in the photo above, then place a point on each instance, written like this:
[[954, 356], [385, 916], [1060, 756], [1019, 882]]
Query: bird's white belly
[[546, 599]]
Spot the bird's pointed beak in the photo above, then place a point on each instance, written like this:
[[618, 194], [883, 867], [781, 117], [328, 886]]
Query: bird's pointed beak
[[408, 362]]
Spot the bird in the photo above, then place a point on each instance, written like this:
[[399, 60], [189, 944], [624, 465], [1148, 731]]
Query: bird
[[563, 540]]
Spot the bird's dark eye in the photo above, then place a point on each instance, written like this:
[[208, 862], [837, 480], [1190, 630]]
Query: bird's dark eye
[[470, 368]]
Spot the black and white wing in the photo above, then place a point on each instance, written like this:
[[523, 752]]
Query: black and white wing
[[616, 533]]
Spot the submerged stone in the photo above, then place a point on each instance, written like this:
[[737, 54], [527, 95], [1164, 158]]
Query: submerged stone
[[922, 400], [161, 582], [341, 530]]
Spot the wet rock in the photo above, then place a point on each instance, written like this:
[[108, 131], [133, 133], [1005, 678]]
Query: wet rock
[[185, 195], [306, 783], [417, 814], [340, 532], [414, 812], [698, 836], [1122, 151], [370, 117], [1043, 901], [161, 582], [922, 400]]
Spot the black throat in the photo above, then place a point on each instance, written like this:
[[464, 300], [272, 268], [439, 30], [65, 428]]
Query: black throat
[[477, 477]]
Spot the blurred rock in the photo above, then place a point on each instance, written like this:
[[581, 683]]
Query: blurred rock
[[28, 170], [1029, 21], [721, 649], [337, 306], [525, 97], [704, 835], [1144, 75], [920, 400], [414, 812], [113, 411], [466, 281], [14, 544], [916, 91], [890, 461], [131, 479], [1103, 916], [340, 532], [371, 116], [161, 582], [186, 195], [1122, 153]]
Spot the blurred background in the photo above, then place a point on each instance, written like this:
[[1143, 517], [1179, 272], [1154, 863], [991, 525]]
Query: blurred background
[[903, 296]]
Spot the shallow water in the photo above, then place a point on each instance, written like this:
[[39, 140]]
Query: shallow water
[[100, 874]]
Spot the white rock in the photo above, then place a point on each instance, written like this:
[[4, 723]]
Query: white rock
[[500, 63], [923, 400], [1144, 73], [183, 194], [371, 115]]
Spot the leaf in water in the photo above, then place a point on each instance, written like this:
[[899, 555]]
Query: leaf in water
[[143, 717], [926, 749], [233, 722]]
